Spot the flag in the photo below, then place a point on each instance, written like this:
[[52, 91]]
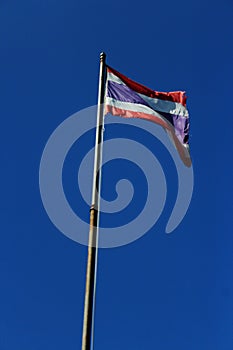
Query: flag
[[126, 98]]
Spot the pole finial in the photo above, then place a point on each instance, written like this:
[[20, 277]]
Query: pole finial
[[102, 56]]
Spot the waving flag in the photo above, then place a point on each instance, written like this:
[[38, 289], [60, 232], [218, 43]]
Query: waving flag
[[126, 98]]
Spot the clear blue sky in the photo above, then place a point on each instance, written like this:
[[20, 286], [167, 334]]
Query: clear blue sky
[[161, 292]]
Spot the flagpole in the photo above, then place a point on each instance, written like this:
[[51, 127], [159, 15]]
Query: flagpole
[[89, 304]]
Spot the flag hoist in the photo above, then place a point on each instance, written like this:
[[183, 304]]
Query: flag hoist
[[129, 99]]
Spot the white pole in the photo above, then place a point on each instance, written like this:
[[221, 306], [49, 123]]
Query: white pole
[[89, 305]]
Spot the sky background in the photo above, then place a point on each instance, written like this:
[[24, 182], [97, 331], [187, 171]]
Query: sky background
[[162, 291]]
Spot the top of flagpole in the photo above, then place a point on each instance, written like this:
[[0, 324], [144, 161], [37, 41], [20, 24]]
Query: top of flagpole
[[102, 56]]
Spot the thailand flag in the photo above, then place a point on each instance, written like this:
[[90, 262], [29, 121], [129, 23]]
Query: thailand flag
[[126, 98]]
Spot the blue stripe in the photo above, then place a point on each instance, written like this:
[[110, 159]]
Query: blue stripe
[[123, 93]]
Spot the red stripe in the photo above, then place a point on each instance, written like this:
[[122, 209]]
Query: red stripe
[[131, 114], [174, 96]]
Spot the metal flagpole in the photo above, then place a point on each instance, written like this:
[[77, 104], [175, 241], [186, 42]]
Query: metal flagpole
[[88, 319]]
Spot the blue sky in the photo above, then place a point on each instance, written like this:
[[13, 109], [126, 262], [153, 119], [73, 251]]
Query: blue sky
[[162, 291]]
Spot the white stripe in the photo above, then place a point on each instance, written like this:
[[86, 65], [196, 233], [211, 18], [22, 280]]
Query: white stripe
[[165, 106], [113, 77], [155, 103], [134, 107]]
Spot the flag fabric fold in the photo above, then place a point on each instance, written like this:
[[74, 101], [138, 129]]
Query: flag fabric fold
[[126, 98]]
